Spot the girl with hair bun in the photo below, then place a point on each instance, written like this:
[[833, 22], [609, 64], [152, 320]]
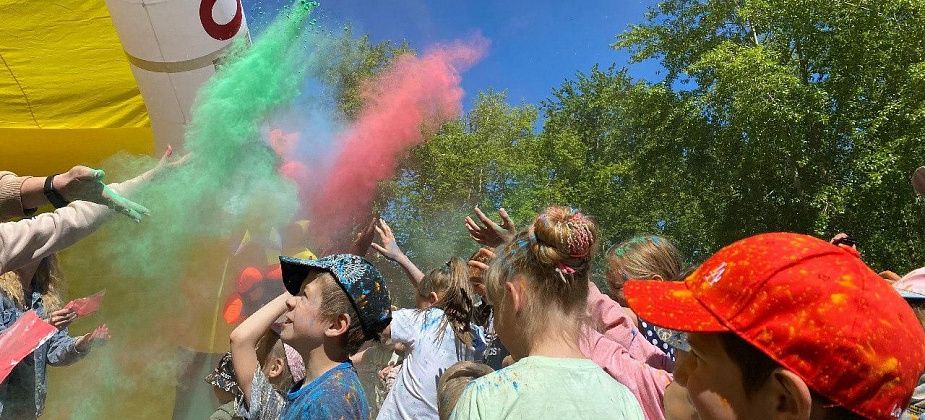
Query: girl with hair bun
[[538, 285]]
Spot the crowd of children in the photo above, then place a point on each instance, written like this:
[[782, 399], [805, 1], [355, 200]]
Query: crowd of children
[[777, 325], [773, 326]]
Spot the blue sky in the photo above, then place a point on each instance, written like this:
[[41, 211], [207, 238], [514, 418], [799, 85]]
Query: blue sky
[[535, 45]]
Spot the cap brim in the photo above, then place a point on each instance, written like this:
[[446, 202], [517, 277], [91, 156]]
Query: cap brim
[[910, 295], [295, 270], [670, 304]]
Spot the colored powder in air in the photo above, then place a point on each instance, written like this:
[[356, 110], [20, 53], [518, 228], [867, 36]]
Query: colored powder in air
[[162, 275], [413, 94]]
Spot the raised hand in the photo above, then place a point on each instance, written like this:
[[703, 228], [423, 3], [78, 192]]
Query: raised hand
[[167, 164], [364, 239], [61, 318], [478, 266], [481, 259], [490, 233], [100, 335], [389, 247], [86, 184]]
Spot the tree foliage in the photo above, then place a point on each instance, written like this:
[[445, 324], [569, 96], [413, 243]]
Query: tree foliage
[[774, 115]]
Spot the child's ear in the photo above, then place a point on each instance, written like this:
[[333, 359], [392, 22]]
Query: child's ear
[[515, 290], [276, 367], [432, 298], [792, 399], [338, 326]]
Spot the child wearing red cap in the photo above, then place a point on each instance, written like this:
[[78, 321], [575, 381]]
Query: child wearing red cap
[[538, 285], [789, 326]]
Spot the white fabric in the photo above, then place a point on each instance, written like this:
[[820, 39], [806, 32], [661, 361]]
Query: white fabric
[[431, 351]]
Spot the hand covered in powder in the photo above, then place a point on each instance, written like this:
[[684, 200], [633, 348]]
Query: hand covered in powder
[[85, 342], [491, 234], [389, 247], [86, 184]]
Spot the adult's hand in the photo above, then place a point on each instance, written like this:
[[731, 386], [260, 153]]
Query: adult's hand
[[389, 247], [490, 233], [83, 183], [61, 318]]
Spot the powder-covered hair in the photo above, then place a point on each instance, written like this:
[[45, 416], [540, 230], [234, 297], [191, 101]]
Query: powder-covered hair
[[334, 302], [48, 281], [452, 383], [454, 297], [554, 254], [642, 257]]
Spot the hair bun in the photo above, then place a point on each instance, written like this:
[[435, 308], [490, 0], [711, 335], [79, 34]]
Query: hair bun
[[564, 235]]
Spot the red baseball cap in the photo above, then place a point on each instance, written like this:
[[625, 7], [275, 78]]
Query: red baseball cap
[[813, 307]]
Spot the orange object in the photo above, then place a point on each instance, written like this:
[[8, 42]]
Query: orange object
[[233, 310], [248, 278], [275, 273]]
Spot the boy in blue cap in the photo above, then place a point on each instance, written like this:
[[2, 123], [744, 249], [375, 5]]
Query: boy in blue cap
[[332, 306]]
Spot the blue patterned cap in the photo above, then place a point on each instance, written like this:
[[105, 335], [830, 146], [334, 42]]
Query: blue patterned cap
[[361, 281]]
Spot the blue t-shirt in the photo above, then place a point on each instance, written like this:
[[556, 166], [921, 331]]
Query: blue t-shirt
[[335, 395]]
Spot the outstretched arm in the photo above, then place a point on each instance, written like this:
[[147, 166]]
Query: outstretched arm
[[244, 342], [28, 240], [390, 250]]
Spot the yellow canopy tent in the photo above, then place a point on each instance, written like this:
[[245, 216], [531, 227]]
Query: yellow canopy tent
[[67, 95]]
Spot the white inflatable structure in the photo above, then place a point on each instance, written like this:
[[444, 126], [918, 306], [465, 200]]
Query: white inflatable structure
[[173, 47]]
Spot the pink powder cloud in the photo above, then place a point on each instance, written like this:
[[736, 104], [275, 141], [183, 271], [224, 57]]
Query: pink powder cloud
[[413, 93]]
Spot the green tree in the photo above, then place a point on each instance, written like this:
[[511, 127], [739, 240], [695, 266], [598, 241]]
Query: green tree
[[488, 157], [812, 114], [355, 60]]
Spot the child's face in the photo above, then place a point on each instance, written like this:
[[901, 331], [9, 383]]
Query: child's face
[[302, 323], [714, 382]]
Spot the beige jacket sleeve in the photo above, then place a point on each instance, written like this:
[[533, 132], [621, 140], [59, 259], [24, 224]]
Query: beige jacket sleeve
[[10, 200], [32, 239]]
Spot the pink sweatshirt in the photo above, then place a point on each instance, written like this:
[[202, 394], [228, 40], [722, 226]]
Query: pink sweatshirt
[[28, 240], [620, 349]]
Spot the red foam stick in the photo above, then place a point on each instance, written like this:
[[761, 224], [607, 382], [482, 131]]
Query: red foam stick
[[21, 339], [87, 305]]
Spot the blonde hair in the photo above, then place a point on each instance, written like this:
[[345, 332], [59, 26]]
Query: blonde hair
[[453, 382], [47, 281], [554, 254], [451, 284], [642, 257]]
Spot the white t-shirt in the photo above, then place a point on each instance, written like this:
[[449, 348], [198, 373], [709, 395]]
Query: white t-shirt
[[430, 353]]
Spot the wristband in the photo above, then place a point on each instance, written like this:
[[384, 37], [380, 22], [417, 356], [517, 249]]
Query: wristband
[[53, 196]]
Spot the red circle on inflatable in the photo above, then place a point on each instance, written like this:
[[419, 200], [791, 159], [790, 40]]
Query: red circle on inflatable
[[215, 30]]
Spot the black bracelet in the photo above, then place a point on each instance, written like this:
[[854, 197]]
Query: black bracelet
[[53, 196]]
